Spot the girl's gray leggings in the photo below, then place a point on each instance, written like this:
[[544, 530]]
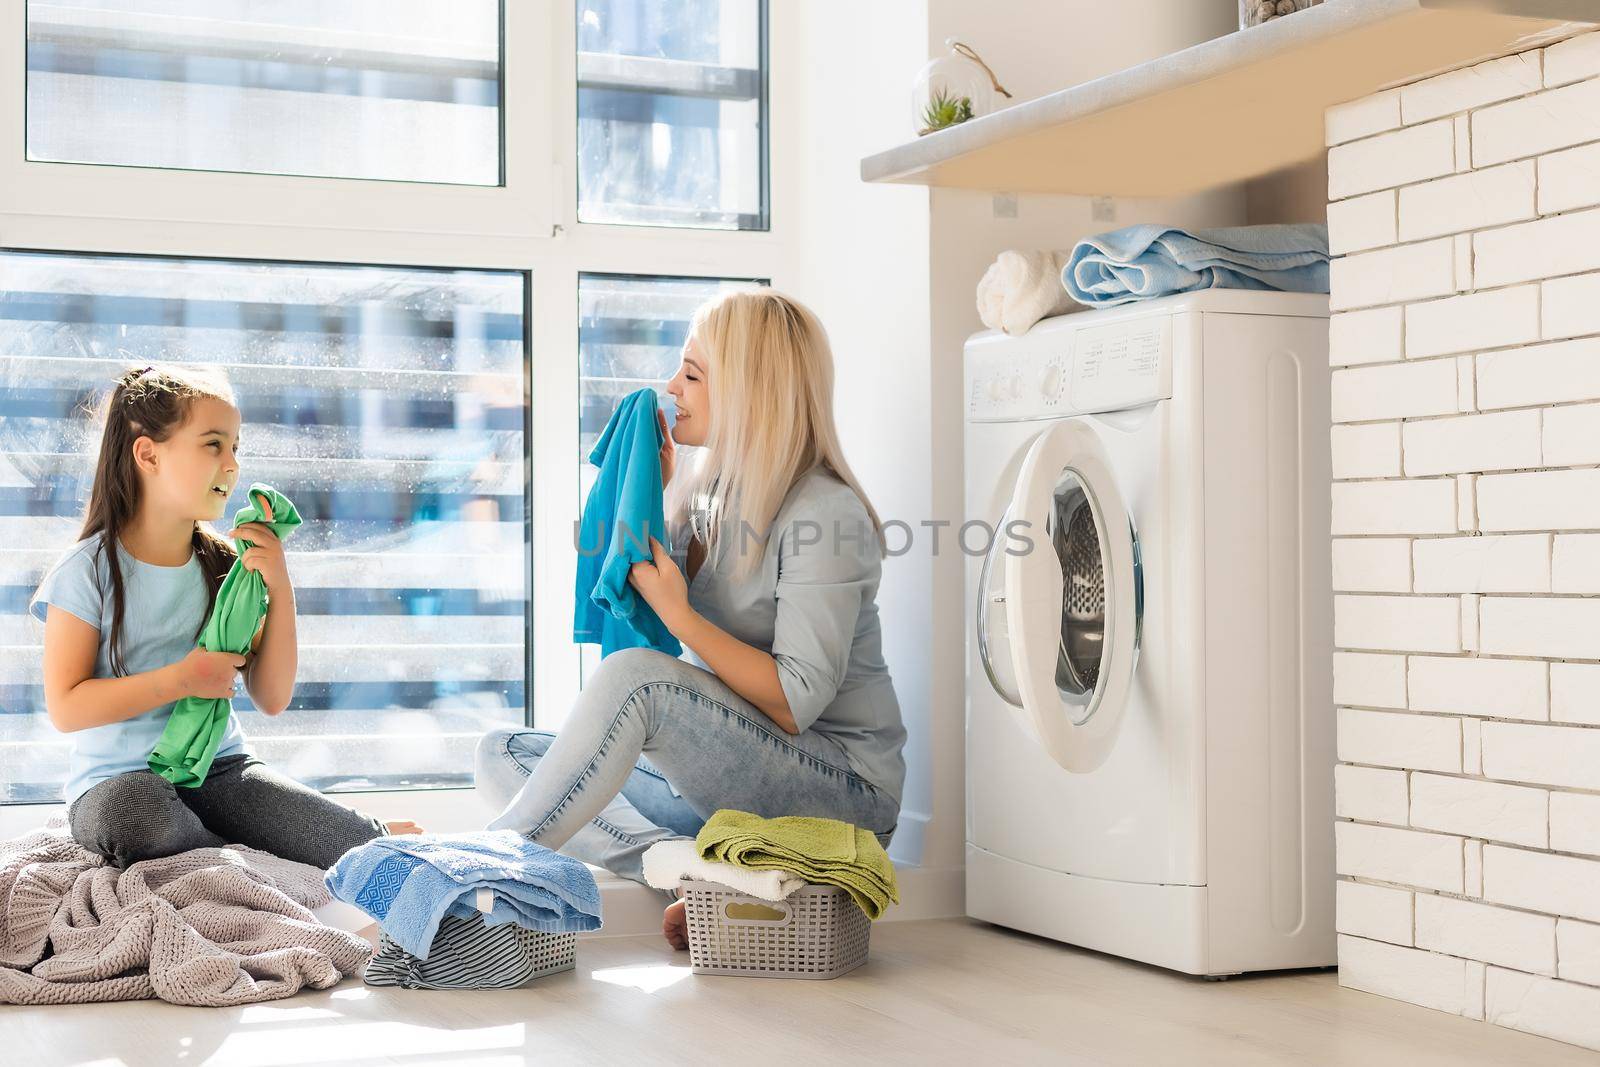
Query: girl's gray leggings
[[140, 816]]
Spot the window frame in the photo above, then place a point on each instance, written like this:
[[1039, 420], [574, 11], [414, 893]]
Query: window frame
[[529, 225]]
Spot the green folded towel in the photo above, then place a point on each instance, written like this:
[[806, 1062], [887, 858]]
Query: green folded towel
[[825, 851], [189, 743]]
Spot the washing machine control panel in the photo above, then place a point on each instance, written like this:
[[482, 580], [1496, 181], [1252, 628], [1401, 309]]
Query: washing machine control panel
[[1055, 369]]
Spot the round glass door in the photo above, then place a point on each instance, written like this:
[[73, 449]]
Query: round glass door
[[1074, 611]]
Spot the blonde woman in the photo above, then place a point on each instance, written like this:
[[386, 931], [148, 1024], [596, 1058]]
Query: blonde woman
[[783, 704]]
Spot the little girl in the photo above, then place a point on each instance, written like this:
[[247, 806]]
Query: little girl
[[127, 605]]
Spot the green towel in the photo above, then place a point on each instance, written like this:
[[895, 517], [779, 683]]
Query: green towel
[[825, 851], [189, 743]]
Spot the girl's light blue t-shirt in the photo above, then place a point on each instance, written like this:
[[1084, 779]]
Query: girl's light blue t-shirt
[[162, 613]]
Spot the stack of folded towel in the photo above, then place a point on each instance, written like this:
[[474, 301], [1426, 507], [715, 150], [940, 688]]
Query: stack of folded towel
[[1151, 260], [771, 858], [410, 883], [1148, 261], [668, 862]]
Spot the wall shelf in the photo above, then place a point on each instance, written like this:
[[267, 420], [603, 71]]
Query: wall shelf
[[1236, 107]]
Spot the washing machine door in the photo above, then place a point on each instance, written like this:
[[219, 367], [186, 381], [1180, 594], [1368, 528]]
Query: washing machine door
[[1074, 600]]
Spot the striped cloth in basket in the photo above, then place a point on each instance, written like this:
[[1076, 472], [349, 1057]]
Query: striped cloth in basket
[[466, 954]]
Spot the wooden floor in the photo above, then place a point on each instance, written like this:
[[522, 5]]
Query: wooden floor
[[934, 992]]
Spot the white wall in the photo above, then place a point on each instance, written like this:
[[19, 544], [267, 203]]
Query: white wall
[[1464, 504], [864, 270], [1035, 46], [893, 269]]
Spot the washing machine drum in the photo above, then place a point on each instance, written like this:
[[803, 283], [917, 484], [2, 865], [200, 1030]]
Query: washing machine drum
[[1071, 616], [1075, 537]]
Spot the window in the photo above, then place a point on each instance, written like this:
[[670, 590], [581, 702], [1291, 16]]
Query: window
[[630, 336], [671, 113], [387, 403], [395, 89], [377, 332]]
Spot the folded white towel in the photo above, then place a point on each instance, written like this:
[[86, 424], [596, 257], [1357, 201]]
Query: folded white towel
[[665, 862], [1020, 288]]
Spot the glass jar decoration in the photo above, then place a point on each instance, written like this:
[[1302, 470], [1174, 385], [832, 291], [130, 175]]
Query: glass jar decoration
[[1255, 12], [952, 89]]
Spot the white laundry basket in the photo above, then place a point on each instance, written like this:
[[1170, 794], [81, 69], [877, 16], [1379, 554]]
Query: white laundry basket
[[816, 932]]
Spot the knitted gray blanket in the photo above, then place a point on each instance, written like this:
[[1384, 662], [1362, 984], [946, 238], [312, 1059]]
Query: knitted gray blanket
[[210, 927]]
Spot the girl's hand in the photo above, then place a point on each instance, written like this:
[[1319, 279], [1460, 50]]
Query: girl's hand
[[265, 556], [661, 584], [209, 674], [669, 449]]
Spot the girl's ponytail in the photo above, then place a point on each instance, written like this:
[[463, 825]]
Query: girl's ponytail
[[148, 401]]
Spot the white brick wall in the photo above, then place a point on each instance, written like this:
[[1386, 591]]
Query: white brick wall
[[1474, 321], [1375, 336], [1568, 307], [1465, 360], [1574, 824], [1369, 680], [1384, 914]]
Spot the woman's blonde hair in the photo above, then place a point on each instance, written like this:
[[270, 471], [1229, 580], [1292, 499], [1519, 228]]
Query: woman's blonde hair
[[771, 383]]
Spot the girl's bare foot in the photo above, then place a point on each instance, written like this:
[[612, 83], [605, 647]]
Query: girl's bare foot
[[402, 826], [675, 924]]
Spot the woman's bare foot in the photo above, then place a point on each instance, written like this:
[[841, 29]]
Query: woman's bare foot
[[402, 826], [675, 924]]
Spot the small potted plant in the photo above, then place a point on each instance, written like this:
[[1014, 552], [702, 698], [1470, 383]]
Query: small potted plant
[[953, 88], [944, 109]]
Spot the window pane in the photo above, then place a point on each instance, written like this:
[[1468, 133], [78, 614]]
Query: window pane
[[630, 336], [398, 89], [388, 404], [672, 113]]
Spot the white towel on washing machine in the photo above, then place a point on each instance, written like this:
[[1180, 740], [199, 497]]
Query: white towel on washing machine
[[1020, 288]]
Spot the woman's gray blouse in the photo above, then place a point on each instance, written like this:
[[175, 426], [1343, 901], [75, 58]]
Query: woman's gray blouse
[[811, 603]]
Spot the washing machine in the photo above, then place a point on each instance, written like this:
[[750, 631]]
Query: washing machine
[[1149, 715]]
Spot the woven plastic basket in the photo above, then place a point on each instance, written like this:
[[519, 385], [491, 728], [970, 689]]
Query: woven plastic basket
[[818, 932]]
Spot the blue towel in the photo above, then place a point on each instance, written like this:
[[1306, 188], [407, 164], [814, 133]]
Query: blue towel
[[623, 512], [1146, 261], [410, 883]]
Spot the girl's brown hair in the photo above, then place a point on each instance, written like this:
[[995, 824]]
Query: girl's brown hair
[[152, 401]]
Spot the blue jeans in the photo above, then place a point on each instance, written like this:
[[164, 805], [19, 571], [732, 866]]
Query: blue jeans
[[587, 791]]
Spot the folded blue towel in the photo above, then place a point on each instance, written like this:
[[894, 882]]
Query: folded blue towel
[[409, 883], [1149, 260], [624, 510]]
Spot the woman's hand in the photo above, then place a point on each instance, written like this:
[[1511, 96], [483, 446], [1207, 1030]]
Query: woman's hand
[[669, 449], [265, 555], [661, 584]]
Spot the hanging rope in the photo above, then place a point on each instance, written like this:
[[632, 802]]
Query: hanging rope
[[966, 50]]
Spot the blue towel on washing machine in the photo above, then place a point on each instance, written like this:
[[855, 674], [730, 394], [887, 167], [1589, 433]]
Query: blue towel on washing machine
[[410, 882], [1151, 260]]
